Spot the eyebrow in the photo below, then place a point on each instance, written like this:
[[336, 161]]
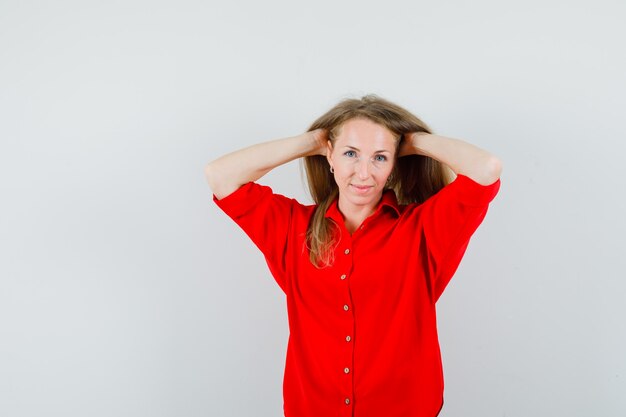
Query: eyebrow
[[357, 149]]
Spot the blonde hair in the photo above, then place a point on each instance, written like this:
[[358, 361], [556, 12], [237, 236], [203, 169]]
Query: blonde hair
[[414, 177]]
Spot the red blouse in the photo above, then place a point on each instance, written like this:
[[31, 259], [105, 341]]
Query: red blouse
[[363, 333]]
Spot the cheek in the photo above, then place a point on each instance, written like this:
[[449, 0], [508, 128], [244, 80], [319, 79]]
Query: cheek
[[384, 171], [343, 173], [386, 175], [343, 169]]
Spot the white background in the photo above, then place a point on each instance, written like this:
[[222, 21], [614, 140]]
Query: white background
[[124, 290]]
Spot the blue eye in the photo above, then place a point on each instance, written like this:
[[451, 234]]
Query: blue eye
[[380, 158], [350, 154]]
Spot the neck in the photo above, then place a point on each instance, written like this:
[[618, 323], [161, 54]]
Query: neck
[[354, 215]]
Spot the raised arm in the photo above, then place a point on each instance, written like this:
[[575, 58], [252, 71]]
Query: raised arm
[[229, 172], [462, 157]]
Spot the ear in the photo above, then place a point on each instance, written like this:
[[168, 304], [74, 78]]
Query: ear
[[329, 151]]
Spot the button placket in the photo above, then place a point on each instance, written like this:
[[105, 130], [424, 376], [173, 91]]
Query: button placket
[[348, 348], [348, 358]]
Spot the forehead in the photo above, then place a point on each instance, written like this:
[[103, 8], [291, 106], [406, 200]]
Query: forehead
[[365, 132]]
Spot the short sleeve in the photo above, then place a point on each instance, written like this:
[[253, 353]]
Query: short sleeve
[[265, 217], [450, 218]]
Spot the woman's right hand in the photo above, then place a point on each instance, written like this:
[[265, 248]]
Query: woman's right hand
[[320, 138]]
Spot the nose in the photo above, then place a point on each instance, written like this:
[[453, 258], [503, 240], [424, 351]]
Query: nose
[[363, 169]]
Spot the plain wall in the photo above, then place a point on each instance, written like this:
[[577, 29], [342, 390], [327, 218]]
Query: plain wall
[[125, 291]]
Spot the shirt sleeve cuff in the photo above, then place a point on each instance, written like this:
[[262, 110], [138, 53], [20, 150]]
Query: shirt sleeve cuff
[[240, 201], [473, 193]]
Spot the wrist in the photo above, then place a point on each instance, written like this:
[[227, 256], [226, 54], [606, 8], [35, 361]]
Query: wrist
[[413, 144], [420, 141]]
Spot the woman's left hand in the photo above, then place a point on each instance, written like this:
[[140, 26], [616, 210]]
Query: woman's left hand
[[408, 145]]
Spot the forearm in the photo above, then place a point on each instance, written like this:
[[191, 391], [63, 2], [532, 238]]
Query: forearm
[[462, 157], [229, 172]]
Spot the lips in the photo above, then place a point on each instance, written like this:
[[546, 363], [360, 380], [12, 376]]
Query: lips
[[361, 188]]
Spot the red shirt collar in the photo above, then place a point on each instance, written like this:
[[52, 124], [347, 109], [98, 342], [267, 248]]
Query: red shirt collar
[[388, 200]]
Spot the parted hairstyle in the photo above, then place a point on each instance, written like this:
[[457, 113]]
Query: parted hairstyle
[[414, 178]]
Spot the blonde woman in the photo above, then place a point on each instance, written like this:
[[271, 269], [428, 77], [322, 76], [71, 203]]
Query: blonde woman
[[363, 267]]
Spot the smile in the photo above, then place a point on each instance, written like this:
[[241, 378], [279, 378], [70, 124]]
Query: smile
[[361, 189]]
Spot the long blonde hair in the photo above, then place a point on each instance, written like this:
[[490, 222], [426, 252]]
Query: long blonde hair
[[414, 177]]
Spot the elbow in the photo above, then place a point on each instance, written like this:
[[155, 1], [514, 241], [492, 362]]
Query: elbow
[[487, 171], [493, 169], [216, 178], [210, 175]]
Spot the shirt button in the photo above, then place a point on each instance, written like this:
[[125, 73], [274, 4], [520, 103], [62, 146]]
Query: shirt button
[[346, 370], [348, 338], [347, 251], [343, 276], [345, 307], [347, 401]]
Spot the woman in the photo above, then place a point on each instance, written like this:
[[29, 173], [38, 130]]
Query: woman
[[363, 268]]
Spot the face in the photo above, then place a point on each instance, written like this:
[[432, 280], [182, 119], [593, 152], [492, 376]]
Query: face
[[362, 157]]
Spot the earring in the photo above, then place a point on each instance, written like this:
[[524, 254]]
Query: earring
[[332, 171]]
